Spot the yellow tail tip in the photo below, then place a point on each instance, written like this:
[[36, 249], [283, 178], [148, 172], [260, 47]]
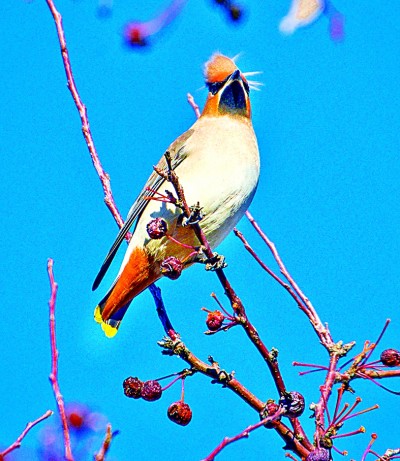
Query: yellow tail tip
[[109, 330], [97, 315]]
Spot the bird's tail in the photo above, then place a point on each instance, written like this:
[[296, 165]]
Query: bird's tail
[[111, 325]]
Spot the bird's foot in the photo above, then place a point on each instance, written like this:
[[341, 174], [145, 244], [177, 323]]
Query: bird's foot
[[212, 264], [196, 215]]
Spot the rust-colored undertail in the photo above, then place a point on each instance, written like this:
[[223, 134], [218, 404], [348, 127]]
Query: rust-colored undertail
[[139, 272]]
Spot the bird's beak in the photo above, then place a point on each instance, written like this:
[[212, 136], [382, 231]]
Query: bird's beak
[[234, 95], [230, 96]]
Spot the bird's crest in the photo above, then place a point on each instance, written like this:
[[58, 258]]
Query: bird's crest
[[218, 68]]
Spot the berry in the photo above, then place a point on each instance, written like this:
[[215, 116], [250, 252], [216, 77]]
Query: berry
[[157, 228], [293, 402], [214, 320], [390, 358], [171, 267], [133, 387], [151, 391], [180, 413], [319, 454]]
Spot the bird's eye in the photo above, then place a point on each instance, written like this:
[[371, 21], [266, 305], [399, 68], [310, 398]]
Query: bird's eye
[[214, 87]]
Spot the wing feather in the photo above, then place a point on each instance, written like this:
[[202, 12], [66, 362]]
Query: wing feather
[[155, 181]]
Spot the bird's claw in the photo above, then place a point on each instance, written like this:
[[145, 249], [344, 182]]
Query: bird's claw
[[195, 217], [212, 264]]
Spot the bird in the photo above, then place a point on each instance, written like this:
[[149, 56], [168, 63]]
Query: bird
[[218, 165]]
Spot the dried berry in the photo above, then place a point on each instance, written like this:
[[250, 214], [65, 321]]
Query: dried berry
[[294, 404], [133, 387], [157, 228], [270, 409], [171, 267], [151, 390], [214, 320], [319, 454], [180, 413], [390, 358]]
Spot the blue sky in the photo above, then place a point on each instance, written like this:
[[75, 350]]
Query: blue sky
[[328, 130]]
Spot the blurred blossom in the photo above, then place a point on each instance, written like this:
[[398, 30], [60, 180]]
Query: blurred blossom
[[137, 33], [336, 27], [81, 418], [305, 12], [87, 430], [301, 13], [233, 10]]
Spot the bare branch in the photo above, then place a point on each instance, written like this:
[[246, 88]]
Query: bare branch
[[245, 433], [54, 363], [104, 178], [321, 330], [193, 105], [28, 427]]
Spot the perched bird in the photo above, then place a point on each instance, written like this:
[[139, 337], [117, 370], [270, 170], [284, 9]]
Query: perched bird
[[217, 162]]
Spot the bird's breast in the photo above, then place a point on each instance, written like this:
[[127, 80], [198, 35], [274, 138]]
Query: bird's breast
[[221, 171]]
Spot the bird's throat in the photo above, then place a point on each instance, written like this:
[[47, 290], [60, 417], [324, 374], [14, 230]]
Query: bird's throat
[[233, 99]]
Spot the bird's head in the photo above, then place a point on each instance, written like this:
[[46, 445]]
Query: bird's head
[[228, 89]]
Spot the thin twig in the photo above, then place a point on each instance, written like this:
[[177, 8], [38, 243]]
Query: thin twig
[[326, 391], [193, 105], [28, 427], [162, 312], [101, 454], [54, 363], [285, 285], [104, 178], [245, 433], [321, 330]]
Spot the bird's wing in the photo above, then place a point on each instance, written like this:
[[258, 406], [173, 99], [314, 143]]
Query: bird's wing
[[178, 154]]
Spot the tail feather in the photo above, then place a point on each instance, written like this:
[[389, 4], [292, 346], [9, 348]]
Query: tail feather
[[111, 325], [137, 275]]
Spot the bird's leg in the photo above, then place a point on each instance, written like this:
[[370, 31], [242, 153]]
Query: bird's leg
[[196, 215]]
